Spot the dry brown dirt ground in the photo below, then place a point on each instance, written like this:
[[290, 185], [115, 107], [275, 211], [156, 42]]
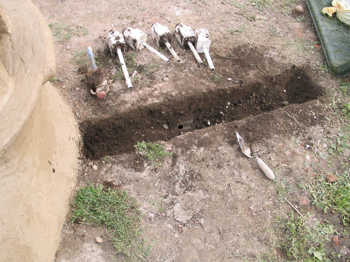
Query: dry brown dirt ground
[[206, 202]]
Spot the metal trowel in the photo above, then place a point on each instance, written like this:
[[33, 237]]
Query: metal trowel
[[247, 152]]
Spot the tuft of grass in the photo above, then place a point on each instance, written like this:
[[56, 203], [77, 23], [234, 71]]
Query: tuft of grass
[[215, 77], [303, 241], [345, 88], [338, 145], [116, 211], [130, 60], [332, 197], [64, 33], [152, 151], [235, 4], [131, 63], [341, 143], [346, 110], [260, 4]]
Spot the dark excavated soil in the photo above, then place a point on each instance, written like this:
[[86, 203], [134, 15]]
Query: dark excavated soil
[[119, 133]]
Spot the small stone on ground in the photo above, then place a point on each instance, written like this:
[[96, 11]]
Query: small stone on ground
[[99, 240], [331, 178]]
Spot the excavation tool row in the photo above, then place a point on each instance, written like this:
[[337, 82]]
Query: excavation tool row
[[197, 41]]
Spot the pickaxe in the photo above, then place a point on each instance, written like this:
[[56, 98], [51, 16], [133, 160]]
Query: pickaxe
[[162, 36], [116, 44], [187, 38], [136, 39]]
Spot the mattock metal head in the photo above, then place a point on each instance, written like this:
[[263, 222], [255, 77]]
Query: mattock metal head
[[185, 34], [203, 40], [203, 45], [115, 40], [135, 38], [186, 37], [161, 34]]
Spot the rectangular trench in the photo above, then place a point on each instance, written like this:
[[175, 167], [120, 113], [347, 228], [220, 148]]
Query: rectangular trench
[[163, 121]]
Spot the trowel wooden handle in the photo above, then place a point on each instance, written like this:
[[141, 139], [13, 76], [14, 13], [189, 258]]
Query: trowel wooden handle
[[172, 51], [92, 58], [150, 48], [210, 62], [265, 169], [195, 53], [124, 68]]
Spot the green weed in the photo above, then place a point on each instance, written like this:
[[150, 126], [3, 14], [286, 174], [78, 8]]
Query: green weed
[[334, 197], [260, 4], [131, 63], [303, 242], [339, 144], [130, 60], [116, 211], [152, 151], [236, 4], [345, 88], [300, 19], [346, 110]]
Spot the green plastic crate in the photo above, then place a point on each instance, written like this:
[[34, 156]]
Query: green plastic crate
[[334, 37]]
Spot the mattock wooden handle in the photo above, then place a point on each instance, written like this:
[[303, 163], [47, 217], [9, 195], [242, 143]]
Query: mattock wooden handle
[[124, 68], [172, 51], [195, 53]]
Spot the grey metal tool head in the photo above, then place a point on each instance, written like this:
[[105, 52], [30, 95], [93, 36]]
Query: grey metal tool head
[[115, 40], [161, 34], [185, 34], [203, 40], [135, 38]]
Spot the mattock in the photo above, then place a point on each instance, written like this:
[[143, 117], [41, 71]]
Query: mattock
[[162, 36], [116, 43], [137, 40], [186, 37], [203, 45]]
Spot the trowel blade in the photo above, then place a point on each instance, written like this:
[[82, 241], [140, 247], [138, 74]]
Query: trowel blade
[[244, 148]]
